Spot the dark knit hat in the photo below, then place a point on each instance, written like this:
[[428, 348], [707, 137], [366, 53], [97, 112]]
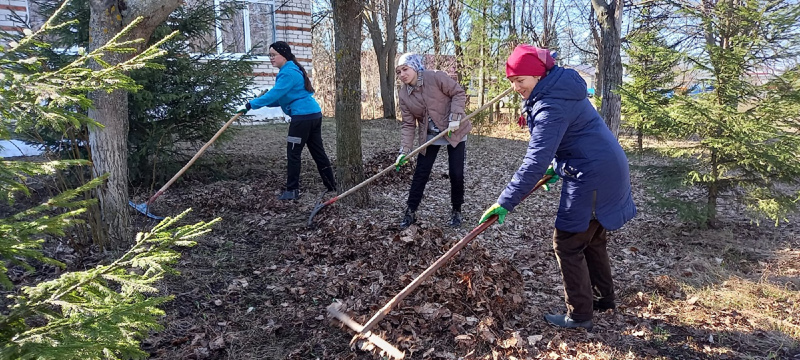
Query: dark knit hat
[[283, 48]]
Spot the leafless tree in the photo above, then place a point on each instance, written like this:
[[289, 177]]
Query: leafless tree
[[380, 17], [347, 20], [609, 17]]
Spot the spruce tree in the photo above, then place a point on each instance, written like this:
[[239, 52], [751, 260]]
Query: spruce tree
[[186, 99], [747, 121], [102, 312], [645, 99]]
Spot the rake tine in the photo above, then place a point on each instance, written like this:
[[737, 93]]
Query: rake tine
[[144, 209], [390, 350]]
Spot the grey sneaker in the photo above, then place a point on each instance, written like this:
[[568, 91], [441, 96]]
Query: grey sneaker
[[566, 322], [290, 195], [456, 219]]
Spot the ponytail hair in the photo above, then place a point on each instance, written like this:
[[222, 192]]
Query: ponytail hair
[[307, 81], [283, 48]]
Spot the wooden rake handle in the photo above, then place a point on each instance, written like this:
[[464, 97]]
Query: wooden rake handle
[[420, 148], [194, 158], [436, 265]]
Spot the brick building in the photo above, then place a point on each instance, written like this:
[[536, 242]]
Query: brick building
[[255, 25]]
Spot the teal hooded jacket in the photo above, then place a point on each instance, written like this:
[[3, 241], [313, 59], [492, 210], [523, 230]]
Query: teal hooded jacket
[[290, 94]]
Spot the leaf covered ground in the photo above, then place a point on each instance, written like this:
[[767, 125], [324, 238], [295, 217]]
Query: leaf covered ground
[[258, 286]]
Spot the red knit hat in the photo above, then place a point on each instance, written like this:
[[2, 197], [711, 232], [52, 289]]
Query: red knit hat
[[529, 60]]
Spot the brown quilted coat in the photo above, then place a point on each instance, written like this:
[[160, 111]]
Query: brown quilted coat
[[438, 97]]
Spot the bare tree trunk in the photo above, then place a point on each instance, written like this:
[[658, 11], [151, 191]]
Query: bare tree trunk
[[109, 143], [386, 51], [454, 9], [405, 25], [482, 71], [347, 18], [434, 9], [609, 15]]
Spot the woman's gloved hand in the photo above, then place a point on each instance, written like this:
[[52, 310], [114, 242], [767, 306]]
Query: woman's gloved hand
[[244, 108], [401, 160], [454, 123], [495, 209], [553, 178]]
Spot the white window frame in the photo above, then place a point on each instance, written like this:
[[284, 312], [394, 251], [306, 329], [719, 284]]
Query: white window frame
[[246, 23]]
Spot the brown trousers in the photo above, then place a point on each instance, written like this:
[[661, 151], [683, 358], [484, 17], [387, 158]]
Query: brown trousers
[[585, 270]]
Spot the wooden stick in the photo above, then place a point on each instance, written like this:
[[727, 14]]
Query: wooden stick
[[409, 156], [194, 158], [436, 265]]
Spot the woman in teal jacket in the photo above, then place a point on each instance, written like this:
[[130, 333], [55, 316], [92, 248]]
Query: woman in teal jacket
[[294, 94]]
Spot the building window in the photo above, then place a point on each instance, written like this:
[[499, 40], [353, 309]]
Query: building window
[[249, 26]]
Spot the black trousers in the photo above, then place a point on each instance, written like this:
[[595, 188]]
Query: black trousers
[[456, 158], [307, 133], [585, 270]]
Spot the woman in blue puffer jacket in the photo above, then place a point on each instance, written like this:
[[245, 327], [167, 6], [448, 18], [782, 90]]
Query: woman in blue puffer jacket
[[569, 139], [294, 94]]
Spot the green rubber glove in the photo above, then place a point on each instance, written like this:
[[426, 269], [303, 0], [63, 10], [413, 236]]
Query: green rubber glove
[[242, 110], [401, 160], [495, 209], [553, 179]]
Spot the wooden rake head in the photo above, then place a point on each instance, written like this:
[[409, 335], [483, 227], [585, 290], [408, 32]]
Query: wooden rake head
[[390, 350]]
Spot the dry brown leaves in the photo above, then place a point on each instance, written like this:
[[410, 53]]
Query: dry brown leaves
[[258, 286]]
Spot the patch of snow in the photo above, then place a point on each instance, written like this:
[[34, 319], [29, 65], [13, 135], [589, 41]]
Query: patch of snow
[[264, 115], [12, 148]]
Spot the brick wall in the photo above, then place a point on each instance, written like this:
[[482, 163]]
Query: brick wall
[[7, 8], [292, 25]]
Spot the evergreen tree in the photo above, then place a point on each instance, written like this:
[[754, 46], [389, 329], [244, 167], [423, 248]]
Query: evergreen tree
[[186, 99], [747, 126], [645, 99], [98, 313]]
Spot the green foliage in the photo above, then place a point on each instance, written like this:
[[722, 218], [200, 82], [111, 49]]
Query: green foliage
[[646, 98], [99, 313], [102, 312], [667, 191], [747, 128], [187, 102], [32, 95], [20, 233], [184, 97]]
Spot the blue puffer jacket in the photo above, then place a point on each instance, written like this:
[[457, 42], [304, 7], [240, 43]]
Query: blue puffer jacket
[[567, 131], [289, 93]]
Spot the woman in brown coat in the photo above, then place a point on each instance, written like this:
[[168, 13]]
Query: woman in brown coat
[[431, 102]]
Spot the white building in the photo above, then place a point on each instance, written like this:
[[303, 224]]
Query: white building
[[256, 25]]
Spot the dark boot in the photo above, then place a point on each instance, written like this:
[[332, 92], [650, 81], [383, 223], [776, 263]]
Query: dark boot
[[566, 322], [602, 307], [409, 217], [290, 195], [455, 219]]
